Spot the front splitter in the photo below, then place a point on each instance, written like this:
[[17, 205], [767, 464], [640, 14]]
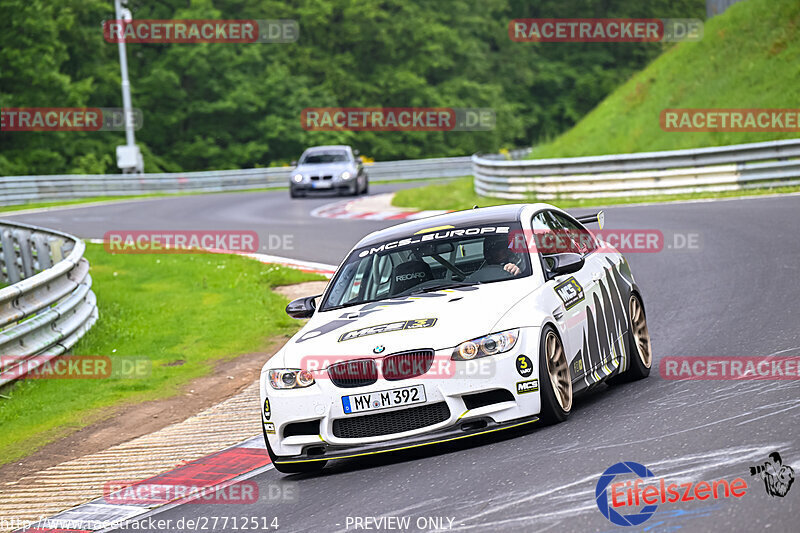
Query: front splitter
[[449, 434]]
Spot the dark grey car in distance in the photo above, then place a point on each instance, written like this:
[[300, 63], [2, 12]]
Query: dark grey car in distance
[[335, 168]]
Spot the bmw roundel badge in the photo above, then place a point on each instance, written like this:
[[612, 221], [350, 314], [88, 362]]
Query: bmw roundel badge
[[379, 349]]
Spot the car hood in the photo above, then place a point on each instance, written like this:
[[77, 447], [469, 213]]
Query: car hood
[[437, 320], [324, 168]]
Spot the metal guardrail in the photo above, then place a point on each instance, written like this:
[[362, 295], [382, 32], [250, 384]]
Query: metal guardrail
[[717, 7], [723, 168], [22, 189], [48, 304], [415, 169]]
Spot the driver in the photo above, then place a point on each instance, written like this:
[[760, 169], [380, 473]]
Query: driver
[[496, 252]]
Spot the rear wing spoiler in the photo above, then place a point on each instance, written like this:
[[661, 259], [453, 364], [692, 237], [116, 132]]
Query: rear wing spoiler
[[599, 218]]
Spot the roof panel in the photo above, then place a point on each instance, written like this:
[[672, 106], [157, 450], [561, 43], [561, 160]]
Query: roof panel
[[459, 219]]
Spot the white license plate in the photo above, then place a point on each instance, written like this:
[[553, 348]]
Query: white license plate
[[321, 184], [358, 403]]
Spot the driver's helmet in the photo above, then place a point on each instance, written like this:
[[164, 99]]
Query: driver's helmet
[[496, 250]]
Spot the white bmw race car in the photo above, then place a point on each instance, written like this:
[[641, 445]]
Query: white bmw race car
[[453, 326]]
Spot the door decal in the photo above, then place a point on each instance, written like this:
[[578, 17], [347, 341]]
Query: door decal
[[570, 292]]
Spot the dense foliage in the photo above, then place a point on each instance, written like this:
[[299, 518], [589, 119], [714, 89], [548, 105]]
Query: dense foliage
[[214, 106]]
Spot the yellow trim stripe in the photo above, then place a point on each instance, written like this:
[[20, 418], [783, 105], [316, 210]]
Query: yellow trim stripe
[[408, 447], [437, 228]]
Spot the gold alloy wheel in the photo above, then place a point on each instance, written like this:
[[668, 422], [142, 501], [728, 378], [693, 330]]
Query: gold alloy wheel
[[558, 370], [641, 336]]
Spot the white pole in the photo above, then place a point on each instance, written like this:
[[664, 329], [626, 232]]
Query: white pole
[[123, 66]]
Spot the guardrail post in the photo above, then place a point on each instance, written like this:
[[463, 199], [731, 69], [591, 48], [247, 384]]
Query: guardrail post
[[12, 274], [23, 239], [42, 249]]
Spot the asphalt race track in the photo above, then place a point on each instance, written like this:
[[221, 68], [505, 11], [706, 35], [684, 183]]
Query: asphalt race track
[[736, 293], [267, 213]]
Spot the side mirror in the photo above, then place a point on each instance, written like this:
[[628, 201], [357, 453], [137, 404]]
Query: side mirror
[[302, 307], [566, 263], [294, 163], [360, 159]]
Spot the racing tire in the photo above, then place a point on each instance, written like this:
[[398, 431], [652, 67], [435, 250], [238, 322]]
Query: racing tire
[[555, 380], [292, 468], [640, 359], [294, 194], [366, 186]]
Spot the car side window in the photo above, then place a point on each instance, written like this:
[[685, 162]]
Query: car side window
[[541, 226], [582, 240], [539, 222], [567, 236]]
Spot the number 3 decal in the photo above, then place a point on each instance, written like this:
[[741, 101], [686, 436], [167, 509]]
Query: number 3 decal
[[524, 366]]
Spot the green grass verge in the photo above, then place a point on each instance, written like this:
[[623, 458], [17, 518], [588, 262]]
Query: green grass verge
[[749, 58], [460, 194], [195, 308]]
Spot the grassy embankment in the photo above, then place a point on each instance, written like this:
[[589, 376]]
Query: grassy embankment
[[749, 58], [181, 313]]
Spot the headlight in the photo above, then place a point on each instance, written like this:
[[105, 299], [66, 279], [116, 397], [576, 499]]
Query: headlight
[[297, 178], [345, 175], [288, 378], [484, 346]]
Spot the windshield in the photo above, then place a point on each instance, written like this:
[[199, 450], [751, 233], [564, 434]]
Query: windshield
[[324, 157], [427, 262]]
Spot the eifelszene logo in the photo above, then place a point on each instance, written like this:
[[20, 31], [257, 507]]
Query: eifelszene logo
[[647, 491]]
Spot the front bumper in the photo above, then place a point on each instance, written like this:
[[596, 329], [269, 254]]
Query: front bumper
[[320, 406], [332, 185], [465, 429]]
